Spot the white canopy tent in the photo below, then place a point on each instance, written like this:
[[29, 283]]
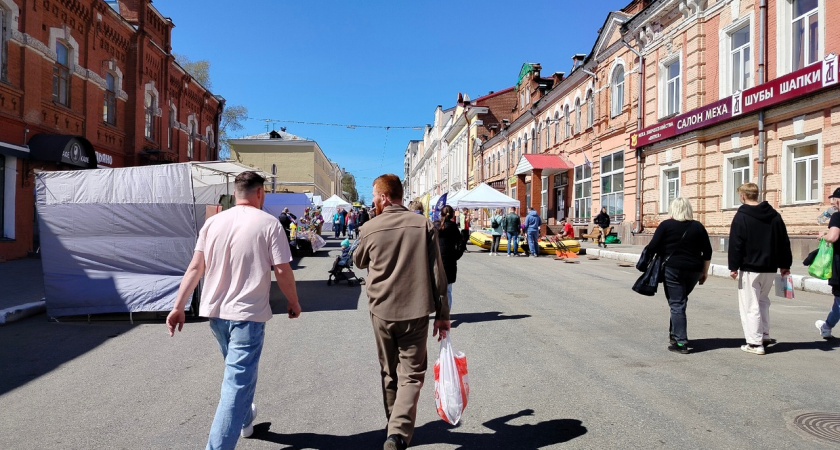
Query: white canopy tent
[[119, 240], [484, 196], [329, 207], [452, 200]]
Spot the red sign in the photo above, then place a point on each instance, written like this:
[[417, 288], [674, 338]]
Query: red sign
[[795, 84]]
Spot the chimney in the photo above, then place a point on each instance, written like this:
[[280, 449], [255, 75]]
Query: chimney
[[577, 60], [558, 77]]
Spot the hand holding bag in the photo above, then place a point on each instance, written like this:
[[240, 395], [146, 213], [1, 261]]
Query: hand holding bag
[[821, 267], [452, 386], [647, 283]]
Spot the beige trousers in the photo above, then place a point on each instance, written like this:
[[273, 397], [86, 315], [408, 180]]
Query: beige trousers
[[402, 357], [754, 305]]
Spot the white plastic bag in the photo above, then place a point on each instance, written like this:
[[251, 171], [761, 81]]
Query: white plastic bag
[[452, 386]]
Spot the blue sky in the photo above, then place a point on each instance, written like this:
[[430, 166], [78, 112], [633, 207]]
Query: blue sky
[[382, 63]]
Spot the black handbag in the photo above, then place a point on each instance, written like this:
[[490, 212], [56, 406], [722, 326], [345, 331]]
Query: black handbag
[[653, 270]]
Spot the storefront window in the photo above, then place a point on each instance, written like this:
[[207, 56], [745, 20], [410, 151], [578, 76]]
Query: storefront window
[[527, 196], [670, 187], [739, 173], [612, 183], [544, 199], [583, 191]]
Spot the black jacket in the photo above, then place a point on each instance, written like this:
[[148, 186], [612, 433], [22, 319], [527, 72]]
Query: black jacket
[[758, 240], [449, 239], [685, 243], [602, 220]]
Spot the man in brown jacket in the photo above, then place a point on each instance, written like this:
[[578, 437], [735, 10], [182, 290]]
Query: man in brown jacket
[[406, 282]]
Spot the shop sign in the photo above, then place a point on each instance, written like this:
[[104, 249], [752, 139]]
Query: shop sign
[[512, 181], [104, 158], [788, 87], [74, 155]]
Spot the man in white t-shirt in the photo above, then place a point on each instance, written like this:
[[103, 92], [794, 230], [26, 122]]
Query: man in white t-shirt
[[235, 252]]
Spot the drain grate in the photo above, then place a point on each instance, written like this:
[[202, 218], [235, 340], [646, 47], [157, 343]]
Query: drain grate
[[825, 426]]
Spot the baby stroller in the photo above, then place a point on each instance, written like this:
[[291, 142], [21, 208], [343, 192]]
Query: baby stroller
[[342, 268]]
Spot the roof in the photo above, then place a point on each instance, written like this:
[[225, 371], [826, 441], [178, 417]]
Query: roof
[[549, 164], [282, 136]]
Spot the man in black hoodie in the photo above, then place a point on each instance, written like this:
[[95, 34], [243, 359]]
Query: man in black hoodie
[[758, 245]]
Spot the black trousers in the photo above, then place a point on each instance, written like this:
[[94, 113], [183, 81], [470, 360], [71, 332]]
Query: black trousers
[[678, 285]]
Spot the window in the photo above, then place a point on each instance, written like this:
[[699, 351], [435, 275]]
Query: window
[[590, 110], [61, 74], [150, 104], [612, 183], [568, 121], [518, 151], [109, 108], [806, 180], [3, 16], [513, 192], [583, 191], [556, 127], [670, 187], [738, 173], [617, 91], [544, 198], [525, 144], [671, 95], [538, 143], [739, 54], [172, 120], [805, 29], [577, 115], [528, 195], [547, 128]]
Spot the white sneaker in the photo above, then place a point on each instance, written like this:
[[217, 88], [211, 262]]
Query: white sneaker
[[248, 430], [754, 349], [825, 332]]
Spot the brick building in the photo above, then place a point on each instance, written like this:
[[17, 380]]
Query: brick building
[[85, 84]]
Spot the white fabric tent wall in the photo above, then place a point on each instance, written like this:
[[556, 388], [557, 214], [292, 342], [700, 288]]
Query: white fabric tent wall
[[119, 240], [328, 209]]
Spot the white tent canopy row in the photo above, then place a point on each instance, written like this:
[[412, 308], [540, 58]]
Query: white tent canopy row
[[119, 240], [482, 196], [329, 208]]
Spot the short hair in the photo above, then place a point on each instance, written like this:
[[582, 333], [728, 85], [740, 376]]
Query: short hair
[[750, 191], [247, 183], [416, 205], [680, 209], [513, 208], [390, 185]]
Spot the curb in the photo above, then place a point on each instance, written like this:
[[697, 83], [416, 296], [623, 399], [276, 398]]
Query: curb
[[800, 282], [19, 312]]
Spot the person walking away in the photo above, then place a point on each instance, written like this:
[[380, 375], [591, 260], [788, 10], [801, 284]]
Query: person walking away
[[758, 245], [532, 231], [685, 243], [497, 231], [235, 252], [336, 220], [568, 231], [465, 227], [832, 236], [511, 225], [343, 221], [351, 224], [285, 219], [602, 220], [363, 217], [406, 282], [451, 249]]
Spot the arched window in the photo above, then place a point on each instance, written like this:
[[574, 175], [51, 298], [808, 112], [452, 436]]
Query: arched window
[[534, 141], [568, 121], [590, 109], [577, 115], [109, 107], [617, 91], [525, 144], [538, 142], [191, 139], [149, 107], [518, 150], [547, 128], [556, 127]]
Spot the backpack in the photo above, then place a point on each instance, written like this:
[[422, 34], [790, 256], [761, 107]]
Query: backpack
[[494, 223]]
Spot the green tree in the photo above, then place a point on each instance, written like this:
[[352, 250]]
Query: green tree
[[348, 185], [233, 116]]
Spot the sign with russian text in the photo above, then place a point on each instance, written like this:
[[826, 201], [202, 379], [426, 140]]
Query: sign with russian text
[[788, 87]]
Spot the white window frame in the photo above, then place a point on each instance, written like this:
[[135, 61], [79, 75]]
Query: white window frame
[[789, 169], [590, 109], [730, 198], [578, 125], [784, 35], [544, 198], [616, 194], [150, 111], [725, 68], [665, 83], [617, 93], [584, 212], [556, 127], [192, 128], [664, 201], [567, 121]]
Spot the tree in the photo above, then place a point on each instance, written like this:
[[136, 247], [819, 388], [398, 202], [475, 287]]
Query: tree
[[232, 115], [348, 185]]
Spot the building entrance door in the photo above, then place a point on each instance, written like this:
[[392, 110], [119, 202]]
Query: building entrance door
[[561, 203]]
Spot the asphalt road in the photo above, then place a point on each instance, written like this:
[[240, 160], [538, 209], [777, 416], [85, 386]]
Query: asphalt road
[[560, 356]]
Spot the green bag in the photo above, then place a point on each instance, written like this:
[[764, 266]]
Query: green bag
[[821, 267], [612, 240]]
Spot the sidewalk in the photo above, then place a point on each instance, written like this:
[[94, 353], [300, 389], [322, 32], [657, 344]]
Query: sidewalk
[[22, 294], [719, 268]]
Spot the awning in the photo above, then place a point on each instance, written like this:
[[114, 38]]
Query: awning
[[13, 150], [549, 164], [62, 148]]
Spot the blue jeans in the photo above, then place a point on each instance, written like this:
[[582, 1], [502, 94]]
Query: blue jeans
[[678, 284], [513, 242], [241, 344], [834, 314], [533, 238]]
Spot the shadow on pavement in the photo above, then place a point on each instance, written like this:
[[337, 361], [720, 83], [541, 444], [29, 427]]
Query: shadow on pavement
[[704, 345], [34, 347], [317, 296], [826, 346], [488, 316], [520, 437]]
